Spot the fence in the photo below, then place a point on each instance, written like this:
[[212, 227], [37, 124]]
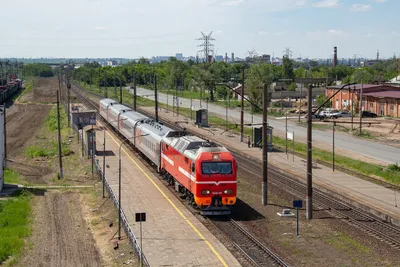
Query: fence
[[127, 228]]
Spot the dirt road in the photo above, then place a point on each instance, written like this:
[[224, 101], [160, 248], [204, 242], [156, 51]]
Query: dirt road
[[45, 91], [60, 233]]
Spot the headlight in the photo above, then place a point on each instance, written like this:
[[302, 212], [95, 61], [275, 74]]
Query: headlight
[[205, 192], [228, 192]]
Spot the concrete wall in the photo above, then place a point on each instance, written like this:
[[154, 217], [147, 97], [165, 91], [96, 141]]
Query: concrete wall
[[297, 94]]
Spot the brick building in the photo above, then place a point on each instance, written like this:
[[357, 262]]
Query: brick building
[[383, 100]]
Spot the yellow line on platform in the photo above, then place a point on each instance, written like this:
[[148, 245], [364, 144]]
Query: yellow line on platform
[[174, 206]]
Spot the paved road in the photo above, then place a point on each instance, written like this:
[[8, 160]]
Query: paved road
[[367, 148]]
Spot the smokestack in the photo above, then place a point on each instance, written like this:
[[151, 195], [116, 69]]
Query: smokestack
[[335, 56], [226, 57], [233, 57]]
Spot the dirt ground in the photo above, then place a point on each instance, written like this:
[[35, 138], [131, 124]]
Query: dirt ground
[[60, 233], [70, 227], [45, 91]]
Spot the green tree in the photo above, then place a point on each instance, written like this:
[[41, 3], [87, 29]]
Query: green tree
[[287, 70]]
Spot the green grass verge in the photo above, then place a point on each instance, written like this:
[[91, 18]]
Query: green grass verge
[[324, 155], [12, 177], [49, 151], [14, 225]]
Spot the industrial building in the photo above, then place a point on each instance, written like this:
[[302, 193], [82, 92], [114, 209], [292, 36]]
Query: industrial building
[[384, 100]]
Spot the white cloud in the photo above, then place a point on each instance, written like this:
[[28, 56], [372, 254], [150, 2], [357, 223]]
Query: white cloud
[[279, 33], [368, 35], [360, 8], [380, 1], [100, 28], [326, 4], [336, 32], [231, 3], [262, 33]]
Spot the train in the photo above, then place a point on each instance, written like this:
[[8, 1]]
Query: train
[[7, 90], [202, 172]]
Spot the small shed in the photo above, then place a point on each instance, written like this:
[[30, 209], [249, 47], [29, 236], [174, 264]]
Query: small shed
[[257, 137], [202, 117], [81, 119], [89, 140]]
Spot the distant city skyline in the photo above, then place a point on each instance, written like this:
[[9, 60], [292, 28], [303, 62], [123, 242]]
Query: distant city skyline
[[134, 29]]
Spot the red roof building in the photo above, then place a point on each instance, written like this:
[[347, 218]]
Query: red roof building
[[383, 100]]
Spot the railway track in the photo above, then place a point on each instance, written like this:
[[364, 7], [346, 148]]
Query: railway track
[[256, 253], [373, 225], [250, 248]]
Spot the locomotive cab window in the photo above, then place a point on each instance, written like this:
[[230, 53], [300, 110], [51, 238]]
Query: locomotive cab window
[[216, 167]]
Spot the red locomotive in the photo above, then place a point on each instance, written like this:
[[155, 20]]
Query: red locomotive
[[201, 171]]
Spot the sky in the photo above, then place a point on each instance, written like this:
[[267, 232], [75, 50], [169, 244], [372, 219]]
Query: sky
[[146, 28]]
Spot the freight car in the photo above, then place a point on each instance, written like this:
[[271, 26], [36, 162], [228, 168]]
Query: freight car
[[201, 171], [7, 91]]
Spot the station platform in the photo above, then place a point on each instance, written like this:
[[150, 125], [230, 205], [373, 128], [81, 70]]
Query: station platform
[[376, 199], [172, 235]]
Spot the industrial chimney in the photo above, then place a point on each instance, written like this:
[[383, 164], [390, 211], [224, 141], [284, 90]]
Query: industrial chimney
[[335, 56]]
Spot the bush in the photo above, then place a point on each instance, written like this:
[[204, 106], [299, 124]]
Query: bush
[[394, 167]]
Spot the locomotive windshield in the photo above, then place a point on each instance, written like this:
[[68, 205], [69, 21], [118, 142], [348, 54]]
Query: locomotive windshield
[[216, 167]]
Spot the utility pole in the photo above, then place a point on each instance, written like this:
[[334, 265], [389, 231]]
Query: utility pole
[[361, 105], [120, 91], [264, 185], [301, 95], [134, 92], [242, 109], [191, 108], [5, 135], [59, 137], [333, 146], [226, 109], [156, 97], [352, 107], [309, 210], [104, 159], [69, 103], [286, 134]]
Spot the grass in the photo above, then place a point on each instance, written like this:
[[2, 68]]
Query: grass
[[14, 225], [50, 148], [12, 177], [182, 93], [48, 151], [320, 154], [51, 120]]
